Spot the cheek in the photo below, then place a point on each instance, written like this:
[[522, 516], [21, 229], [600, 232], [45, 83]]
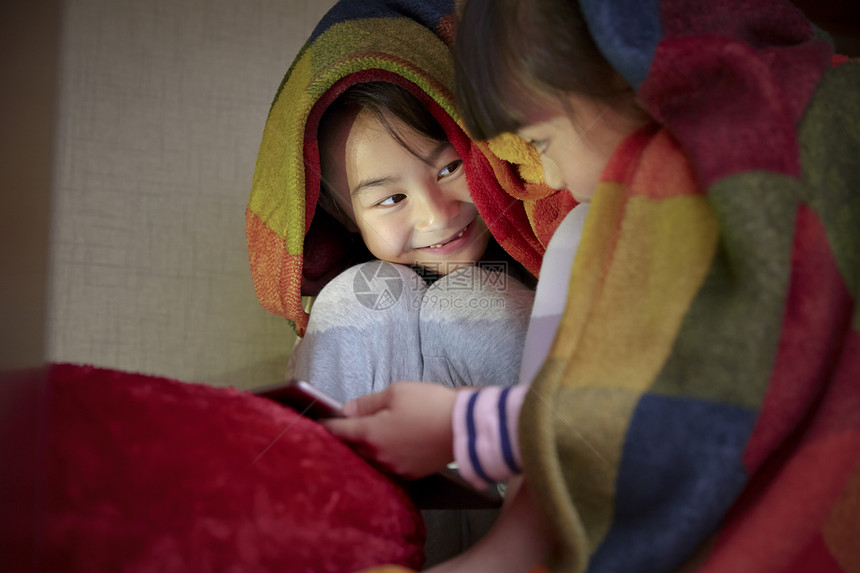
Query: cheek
[[384, 236], [552, 173], [460, 192], [482, 241]]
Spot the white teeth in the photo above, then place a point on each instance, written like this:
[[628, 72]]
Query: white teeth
[[460, 234]]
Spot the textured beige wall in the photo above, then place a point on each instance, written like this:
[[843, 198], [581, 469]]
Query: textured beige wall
[[149, 154], [161, 109]]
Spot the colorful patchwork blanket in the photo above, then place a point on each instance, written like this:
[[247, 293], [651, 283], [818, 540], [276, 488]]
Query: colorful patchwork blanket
[[295, 248], [700, 406]]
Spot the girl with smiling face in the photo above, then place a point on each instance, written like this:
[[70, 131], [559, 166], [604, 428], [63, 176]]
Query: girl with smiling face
[[361, 200], [390, 176], [403, 190], [428, 309]]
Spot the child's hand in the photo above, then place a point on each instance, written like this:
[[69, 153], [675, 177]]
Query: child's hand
[[405, 428]]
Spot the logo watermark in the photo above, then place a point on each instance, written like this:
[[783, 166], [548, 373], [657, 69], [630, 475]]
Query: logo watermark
[[379, 285], [441, 302], [483, 276]]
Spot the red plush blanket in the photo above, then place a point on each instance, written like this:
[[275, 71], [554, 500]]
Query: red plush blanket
[[149, 474]]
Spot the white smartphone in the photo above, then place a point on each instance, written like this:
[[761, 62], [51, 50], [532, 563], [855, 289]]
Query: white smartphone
[[306, 399]]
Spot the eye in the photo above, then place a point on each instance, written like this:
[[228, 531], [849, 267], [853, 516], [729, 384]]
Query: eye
[[450, 169], [540, 145], [391, 200]]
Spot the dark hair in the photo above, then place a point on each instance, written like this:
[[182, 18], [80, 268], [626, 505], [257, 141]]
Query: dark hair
[[384, 100], [511, 55]]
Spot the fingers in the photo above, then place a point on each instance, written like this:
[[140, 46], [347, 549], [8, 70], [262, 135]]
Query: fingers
[[355, 428], [354, 434], [368, 405], [349, 430]]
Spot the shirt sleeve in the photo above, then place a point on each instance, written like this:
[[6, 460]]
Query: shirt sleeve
[[486, 443]]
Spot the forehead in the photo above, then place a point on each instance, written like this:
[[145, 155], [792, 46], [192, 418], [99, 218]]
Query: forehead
[[360, 147], [371, 134], [365, 133], [388, 148], [561, 115], [543, 125]]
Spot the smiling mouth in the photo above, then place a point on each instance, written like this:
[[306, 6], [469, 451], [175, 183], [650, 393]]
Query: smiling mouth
[[450, 240]]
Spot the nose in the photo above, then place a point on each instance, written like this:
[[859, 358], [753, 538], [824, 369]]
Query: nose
[[552, 175], [436, 209]]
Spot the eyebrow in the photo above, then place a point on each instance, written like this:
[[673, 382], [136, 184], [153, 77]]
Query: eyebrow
[[368, 184]]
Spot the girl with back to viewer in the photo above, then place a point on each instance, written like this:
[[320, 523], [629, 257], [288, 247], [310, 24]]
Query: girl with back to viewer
[[699, 375]]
